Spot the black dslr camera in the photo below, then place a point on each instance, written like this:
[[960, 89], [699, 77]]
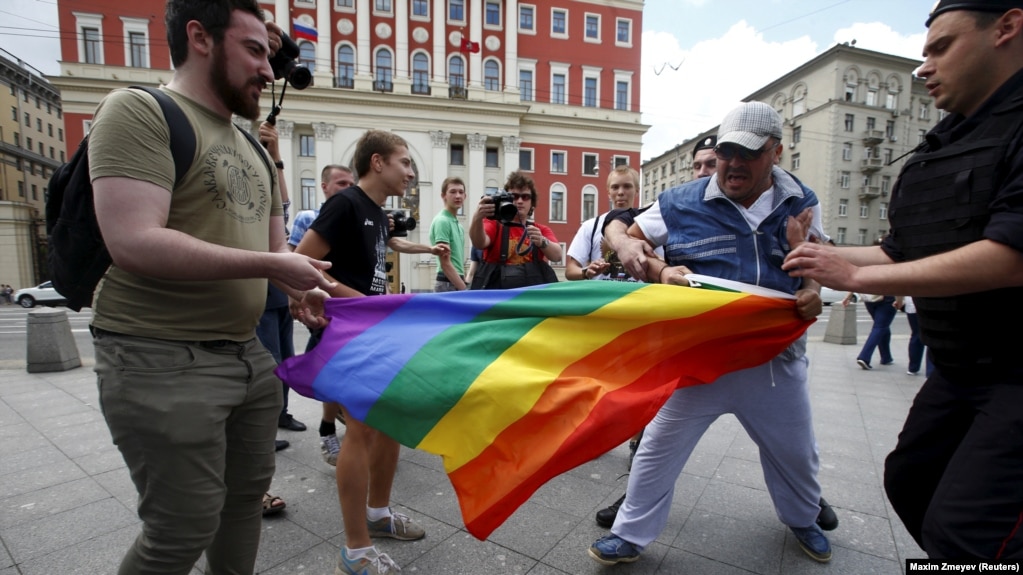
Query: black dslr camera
[[402, 224], [504, 207], [285, 65]]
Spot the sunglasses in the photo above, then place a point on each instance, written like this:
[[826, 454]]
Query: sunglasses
[[523, 196], [728, 152]]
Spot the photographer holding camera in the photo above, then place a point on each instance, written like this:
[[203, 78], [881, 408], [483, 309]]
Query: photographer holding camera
[[515, 248]]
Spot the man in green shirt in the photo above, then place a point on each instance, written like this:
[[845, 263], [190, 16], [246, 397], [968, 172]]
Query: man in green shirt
[[447, 230]]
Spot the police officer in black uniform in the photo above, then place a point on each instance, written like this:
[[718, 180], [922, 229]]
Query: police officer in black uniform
[[956, 475]]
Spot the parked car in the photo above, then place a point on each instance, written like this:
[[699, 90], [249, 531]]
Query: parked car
[[830, 296], [43, 293]]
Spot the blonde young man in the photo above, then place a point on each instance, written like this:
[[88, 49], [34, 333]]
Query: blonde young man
[[352, 232], [585, 256]]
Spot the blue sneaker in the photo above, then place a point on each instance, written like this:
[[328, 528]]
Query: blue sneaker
[[813, 542], [612, 549]]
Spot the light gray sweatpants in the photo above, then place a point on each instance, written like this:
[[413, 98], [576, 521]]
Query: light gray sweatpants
[[772, 403]]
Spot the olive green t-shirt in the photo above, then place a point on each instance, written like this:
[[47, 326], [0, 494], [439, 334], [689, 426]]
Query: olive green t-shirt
[[226, 198]]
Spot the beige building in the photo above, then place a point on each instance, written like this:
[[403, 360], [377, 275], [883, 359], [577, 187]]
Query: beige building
[[851, 116], [31, 147]]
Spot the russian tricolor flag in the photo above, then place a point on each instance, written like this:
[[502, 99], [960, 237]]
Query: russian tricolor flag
[[303, 32]]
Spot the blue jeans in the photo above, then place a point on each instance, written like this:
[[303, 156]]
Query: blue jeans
[[882, 312], [195, 424]]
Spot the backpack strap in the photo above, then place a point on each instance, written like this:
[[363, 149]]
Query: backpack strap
[[505, 234], [182, 137]]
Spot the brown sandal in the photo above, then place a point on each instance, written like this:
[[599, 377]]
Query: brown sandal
[[272, 504]]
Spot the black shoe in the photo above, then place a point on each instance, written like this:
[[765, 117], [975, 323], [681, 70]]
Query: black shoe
[[286, 421], [280, 444], [606, 517], [826, 519]]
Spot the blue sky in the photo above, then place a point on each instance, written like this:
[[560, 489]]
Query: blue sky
[[723, 49]]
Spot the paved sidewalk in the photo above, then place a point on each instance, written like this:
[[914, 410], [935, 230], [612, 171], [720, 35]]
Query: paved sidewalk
[[67, 505]]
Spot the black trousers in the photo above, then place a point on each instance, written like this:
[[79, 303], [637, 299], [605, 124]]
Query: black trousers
[[955, 478]]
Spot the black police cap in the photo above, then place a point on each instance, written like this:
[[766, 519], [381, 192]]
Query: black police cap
[[707, 143], [999, 6]]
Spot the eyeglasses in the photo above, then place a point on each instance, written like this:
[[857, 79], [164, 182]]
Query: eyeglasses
[[728, 152], [523, 196]]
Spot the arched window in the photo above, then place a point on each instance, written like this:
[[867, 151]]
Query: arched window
[[420, 73], [345, 66], [307, 55], [491, 76], [456, 72], [384, 71]]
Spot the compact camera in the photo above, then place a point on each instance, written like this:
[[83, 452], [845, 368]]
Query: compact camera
[[402, 224], [286, 66], [504, 207]]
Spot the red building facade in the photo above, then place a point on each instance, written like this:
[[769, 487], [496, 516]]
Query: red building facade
[[478, 88]]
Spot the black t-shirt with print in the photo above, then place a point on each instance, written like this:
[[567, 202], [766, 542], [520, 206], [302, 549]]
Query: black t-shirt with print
[[355, 227]]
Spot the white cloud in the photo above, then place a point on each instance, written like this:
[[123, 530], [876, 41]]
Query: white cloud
[[881, 38], [714, 76]]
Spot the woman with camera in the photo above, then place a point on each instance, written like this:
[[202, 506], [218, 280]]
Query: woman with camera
[[515, 248]]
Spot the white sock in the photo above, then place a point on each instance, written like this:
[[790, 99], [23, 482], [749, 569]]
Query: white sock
[[359, 553], [377, 513]]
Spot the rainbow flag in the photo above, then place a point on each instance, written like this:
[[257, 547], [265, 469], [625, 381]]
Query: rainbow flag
[[513, 387]]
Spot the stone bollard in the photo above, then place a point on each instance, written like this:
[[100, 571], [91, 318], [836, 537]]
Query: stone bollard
[[841, 324], [51, 347]]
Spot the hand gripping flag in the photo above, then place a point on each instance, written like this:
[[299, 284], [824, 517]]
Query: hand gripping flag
[[513, 387]]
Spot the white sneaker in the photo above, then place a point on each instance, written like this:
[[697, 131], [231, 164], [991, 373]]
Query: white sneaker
[[330, 445]]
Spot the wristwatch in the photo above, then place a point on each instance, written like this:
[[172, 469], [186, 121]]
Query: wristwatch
[[544, 243]]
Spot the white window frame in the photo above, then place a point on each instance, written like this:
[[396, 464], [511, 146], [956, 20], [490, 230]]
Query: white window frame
[[340, 8], [840, 236], [619, 43], [623, 76], [861, 237], [864, 211], [385, 13], [591, 73], [882, 211], [843, 208], [564, 159], [586, 23], [844, 179], [588, 190], [500, 75], [86, 127], [137, 25], [532, 159], [847, 149], [500, 15], [558, 187], [447, 12], [795, 161], [596, 165], [568, 25], [518, 17], [85, 20], [560, 68], [527, 66], [413, 16], [615, 161]]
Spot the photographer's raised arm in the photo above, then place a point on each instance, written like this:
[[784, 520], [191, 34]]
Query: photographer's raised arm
[[132, 216], [477, 234]]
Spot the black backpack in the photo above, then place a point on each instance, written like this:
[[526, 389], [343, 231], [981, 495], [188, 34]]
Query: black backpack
[[77, 256]]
